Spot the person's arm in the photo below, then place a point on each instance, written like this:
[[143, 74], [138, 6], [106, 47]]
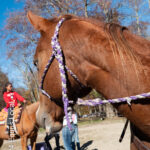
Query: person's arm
[[6, 99], [75, 118], [19, 97]]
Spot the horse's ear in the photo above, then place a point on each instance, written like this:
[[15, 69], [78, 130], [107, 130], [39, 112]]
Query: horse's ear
[[38, 22]]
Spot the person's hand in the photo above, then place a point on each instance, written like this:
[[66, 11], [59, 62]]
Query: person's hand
[[19, 104]]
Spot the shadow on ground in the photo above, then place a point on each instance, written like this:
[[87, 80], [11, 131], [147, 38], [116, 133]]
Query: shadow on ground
[[85, 145], [61, 147]]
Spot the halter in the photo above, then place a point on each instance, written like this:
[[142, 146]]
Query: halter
[[58, 54]]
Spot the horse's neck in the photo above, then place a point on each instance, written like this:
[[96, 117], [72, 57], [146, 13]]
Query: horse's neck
[[114, 70]]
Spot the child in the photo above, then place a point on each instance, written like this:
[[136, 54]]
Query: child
[[11, 97]]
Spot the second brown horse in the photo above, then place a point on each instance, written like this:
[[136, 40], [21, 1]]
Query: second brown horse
[[27, 127]]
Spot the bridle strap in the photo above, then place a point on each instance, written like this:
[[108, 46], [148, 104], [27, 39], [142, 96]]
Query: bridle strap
[[43, 77], [58, 54]]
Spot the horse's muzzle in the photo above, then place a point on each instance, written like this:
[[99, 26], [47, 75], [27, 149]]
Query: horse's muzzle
[[45, 121], [52, 127]]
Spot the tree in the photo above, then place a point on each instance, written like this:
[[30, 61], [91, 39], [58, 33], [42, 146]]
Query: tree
[[20, 43], [137, 15], [3, 81], [108, 10]]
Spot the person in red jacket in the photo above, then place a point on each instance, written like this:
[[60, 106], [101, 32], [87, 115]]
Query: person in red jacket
[[11, 97]]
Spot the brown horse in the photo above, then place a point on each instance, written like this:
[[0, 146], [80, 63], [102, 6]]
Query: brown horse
[[27, 127], [106, 57]]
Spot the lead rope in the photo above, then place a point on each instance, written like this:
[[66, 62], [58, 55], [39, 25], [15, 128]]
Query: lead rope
[[98, 101], [123, 131]]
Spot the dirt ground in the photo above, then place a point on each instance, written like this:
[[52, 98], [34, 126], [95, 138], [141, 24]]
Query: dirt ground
[[101, 135]]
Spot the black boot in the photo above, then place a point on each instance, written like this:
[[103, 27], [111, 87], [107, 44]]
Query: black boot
[[78, 146], [73, 145], [47, 143], [57, 137]]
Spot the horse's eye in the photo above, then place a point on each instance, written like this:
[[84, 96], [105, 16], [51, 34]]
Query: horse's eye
[[35, 62]]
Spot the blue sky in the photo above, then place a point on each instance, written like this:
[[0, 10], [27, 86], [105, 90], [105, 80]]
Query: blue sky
[[6, 6], [5, 64]]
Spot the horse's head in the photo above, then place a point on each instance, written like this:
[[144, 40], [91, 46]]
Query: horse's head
[[49, 111], [52, 81]]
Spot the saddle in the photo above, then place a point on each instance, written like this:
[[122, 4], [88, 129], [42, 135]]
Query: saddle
[[4, 114]]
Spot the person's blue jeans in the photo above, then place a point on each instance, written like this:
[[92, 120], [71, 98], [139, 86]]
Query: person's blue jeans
[[67, 137], [75, 138]]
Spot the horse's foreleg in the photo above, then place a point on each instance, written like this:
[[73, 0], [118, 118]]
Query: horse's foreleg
[[33, 141], [24, 142], [46, 139], [57, 137]]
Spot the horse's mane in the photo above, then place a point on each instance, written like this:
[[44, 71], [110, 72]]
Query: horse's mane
[[139, 51], [112, 28], [116, 34], [94, 21]]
